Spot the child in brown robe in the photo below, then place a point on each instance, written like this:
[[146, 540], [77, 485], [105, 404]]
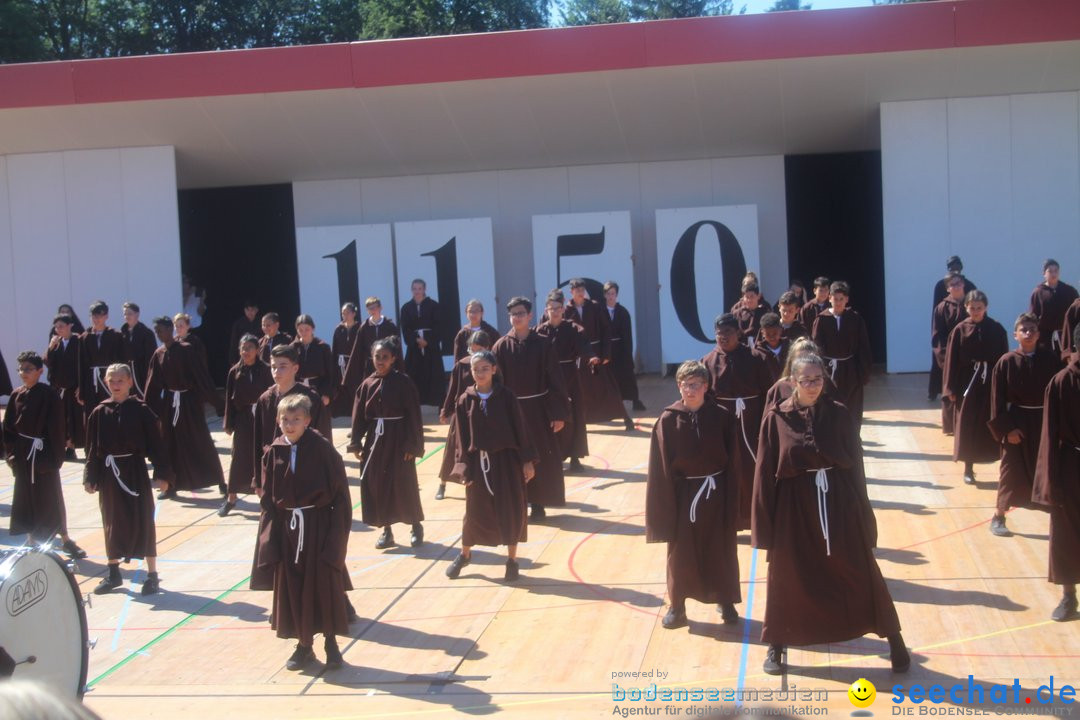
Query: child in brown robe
[[494, 459], [948, 314], [34, 440], [845, 345], [817, 305], [387, 437], [1019, 383], [691, 498], [749, 310], [787, 308], [1050, 300], [272, 336], [122, 432], [772, 347], [812, 514], [341, 345], [317, 370], [572, 348], [375, 327], [306, 498], [99, 347], [474, 311], [975, 345], [602, 399], [1057, 482], [622, 346], [460, 380], [421, 332], [247, 380], [62, 360]]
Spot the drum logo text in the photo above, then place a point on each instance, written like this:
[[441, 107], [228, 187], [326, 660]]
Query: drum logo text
[[27, 592]]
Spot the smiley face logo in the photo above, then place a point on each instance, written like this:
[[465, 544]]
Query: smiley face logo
[[862, 693]]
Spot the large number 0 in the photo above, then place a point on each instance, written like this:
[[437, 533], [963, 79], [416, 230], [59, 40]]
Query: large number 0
[[577, 245], [348, 277], [684, 280], [446, 277]]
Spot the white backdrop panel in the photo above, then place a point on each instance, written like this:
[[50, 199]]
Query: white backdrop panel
[[40, 247], [457, 261], [339, 263], [701, 285], [95, 231], [606, 253], [8, 340]]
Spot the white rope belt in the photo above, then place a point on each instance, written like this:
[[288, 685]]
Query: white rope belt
[[306, 382], [708, 484], [296, 522], [380, 429], [740, 408], [985, 366], [1028, 407], [821, 479], [420, 334], [99, 377], [564, 362], [833, 363], [531, 397], [36, 444], [485, 467], [342, 361], [176, 405], [1055, 339], [110, 462], [62, 393]]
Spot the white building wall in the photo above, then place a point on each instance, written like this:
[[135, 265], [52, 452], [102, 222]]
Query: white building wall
[[82, 225], [995, 180]]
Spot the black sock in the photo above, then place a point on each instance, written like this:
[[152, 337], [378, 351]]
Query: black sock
[[969, 468], [114, 573]]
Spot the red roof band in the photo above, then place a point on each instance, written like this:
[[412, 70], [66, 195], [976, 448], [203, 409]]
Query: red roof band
[[381, 63]]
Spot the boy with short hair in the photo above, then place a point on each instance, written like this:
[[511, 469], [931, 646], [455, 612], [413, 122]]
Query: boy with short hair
[[845, 346], [272, 336], [99, 347], [818, 304], [62, 360]]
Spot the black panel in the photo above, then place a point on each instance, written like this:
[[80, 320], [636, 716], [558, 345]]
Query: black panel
[[239, 242], [834, 229]]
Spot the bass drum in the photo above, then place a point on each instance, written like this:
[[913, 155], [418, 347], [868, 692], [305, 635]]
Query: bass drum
[[43, 633]]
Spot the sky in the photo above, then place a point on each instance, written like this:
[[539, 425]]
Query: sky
[[755, 6]]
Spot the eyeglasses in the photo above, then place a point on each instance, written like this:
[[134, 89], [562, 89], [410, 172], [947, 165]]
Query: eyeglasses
[[519, 313], [25, 369], [811, 382], [692, 386]]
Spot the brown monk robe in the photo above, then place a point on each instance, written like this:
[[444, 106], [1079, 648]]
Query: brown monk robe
[[360, 365], [34, 441], [424, 365], [461, 379], [691, 503], [973, 349], [773, 357], [602, 400], [340, 347], [62, 360], [1050, 304], [1057, 482], [947, 315], [1068, 341], [177, 386], [461, 340], [810, 311], [97, 351], [244, 386], [319, 372], [5, 379], [782, 389], [845, 347], [139, 347], [386, 427], [739, 384], [530, 370], [572, 350], [813, 516], [494, 445], [306, 498], [749, 318], [267, 343], [120, 437], [1016, 404], [941, 291], [622, 353], [266, 430]]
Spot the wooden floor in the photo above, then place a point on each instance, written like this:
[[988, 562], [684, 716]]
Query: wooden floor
[[588, 604]]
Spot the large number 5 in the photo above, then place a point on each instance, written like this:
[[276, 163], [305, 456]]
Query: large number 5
[[446, 277], [577, 245], [684, 280]]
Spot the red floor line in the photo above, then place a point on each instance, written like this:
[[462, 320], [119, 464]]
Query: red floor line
[[594, 589]]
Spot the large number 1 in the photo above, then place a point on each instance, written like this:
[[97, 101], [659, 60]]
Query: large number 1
[[446, 277], [348, 277], [684, 279]]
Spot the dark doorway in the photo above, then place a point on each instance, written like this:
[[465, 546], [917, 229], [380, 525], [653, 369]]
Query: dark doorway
[[238, 243], [834, 229]]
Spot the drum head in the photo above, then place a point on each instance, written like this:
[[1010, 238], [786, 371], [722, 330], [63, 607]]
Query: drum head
[[43, 618]]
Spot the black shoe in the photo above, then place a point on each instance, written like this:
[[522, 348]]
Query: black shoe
[[1066, 609], [169, 494], [538, 512], [997, 526], [629, 425], [459, 562], [512, 572], [575, 465], [416, 539], [441, 492], [638, 405], [969, 478], [226, 506], [301, 656], [674, 619], [333, 654], [151, 585], [223, 489], [73, 551], [898, 654], [69, 454], [729, 614], [774, 660], [110, 583], [386, 540]]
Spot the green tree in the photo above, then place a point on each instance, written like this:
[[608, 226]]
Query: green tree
[[402, 18], [782, 5], [21, 37], [469, 16], [668, 9], [594, 12]]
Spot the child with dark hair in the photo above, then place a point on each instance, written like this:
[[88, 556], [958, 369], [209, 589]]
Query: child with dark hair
[[317, 370], [461, 379], [248, 379]]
